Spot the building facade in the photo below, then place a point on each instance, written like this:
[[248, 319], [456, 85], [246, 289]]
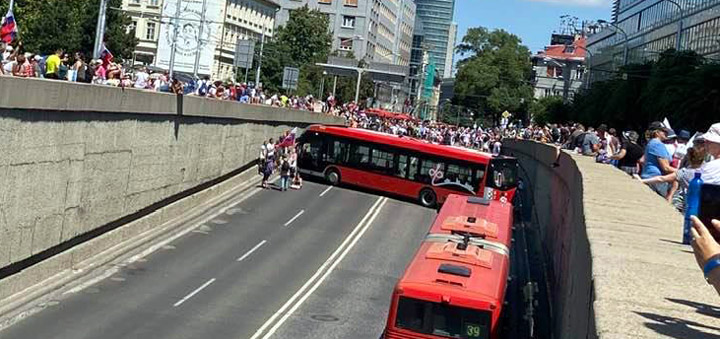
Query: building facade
[[237, 19], [437, 19], [373, 30], [559, 69], [448, 71], [651, 27]]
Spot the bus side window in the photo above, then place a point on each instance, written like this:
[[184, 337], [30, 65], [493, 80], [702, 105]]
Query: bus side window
[[413, 169], [402, 166], [359, 155], [382, 161], [338, 152], [437, 168]]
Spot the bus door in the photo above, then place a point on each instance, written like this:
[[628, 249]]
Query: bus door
[[310, 147]]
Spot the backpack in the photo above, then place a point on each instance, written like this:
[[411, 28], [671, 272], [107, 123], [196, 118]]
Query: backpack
[[202, 91], [285, 166]]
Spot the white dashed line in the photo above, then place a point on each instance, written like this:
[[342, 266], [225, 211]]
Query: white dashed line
[[326, 190], [194, 292], [279, 317], [252, 250], [295, 217]]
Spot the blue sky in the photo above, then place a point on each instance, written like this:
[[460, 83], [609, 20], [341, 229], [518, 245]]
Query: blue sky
[[532, 20]]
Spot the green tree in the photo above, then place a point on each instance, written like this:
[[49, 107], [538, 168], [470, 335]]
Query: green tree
[[550, 109], [302, 42], [46, 25], [495, 75], [682, 87]]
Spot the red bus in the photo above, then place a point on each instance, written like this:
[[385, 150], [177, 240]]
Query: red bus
[[476, 217], [404, 166], [455, 285]]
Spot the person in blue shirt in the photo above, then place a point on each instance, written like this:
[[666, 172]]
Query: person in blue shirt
[[657, 158]]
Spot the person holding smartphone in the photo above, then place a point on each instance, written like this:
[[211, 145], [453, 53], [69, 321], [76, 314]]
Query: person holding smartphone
[[707, 250]]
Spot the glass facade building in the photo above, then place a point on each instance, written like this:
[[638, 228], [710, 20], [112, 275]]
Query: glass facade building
[[437, 19], [651, 27]]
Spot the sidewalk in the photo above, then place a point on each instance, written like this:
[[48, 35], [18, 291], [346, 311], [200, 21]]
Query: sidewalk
[[646, 282]]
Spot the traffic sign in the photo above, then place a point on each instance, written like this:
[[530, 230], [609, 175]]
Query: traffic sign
[[290, 78]]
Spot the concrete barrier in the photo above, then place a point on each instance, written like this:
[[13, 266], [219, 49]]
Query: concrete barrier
[[616, 268], [77, 158]]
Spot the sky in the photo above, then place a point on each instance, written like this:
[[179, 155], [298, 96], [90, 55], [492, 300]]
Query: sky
[[532, 20]]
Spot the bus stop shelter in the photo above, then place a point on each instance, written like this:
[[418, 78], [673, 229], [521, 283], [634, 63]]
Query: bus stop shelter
[[348, 67]]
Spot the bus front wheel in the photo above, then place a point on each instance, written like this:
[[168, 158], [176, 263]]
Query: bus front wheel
[[428, 198], [332, 176]]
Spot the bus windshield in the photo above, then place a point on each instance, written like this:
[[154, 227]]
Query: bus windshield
[[503, 174], [442, 319]]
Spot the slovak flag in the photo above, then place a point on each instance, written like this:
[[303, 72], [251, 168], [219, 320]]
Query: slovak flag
[[105, 54], [290, 139], [8, 29]]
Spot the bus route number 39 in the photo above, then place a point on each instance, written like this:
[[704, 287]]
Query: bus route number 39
[[473, 331]]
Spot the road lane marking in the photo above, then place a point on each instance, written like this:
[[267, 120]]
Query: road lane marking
[[295, 217], [252, 250], [325, 269], [196, 291], [326, 190]]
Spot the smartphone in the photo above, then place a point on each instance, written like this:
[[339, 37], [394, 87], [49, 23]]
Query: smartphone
[[710, 207]]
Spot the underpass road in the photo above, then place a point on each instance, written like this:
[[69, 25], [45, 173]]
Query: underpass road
[[196, 287]]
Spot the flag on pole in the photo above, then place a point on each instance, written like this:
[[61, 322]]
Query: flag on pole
[[105, 54], [8, 28]]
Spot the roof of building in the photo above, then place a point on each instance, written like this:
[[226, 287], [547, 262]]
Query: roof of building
[[576, 51]]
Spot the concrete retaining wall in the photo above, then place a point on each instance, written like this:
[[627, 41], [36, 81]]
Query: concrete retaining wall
[[616, 268], [75, 157]]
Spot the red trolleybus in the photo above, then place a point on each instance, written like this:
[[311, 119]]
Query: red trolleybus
[[403, 166], [490, 220], [455, 285], [451, 289]]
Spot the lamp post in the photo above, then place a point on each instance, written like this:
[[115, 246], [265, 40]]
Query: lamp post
[[589, 65], [678, 43], [618, 29]]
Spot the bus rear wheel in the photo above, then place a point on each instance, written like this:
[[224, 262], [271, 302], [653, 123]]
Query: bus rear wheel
[[332, 176], [428, 198]]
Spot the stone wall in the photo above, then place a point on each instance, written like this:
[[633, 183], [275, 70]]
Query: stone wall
[[76, 157]]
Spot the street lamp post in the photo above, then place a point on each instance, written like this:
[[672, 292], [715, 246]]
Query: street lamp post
[[589, 66], [99, 30], [618, 29], [678, 43]]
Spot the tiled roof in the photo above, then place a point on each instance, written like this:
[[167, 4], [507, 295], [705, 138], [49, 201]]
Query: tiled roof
[[576, 51]]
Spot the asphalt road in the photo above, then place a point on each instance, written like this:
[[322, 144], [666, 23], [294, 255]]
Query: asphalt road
[[313, 263]]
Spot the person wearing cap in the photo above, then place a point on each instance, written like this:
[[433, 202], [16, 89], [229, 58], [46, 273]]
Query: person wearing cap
[[711, 170], [657, 158], [630, 153]]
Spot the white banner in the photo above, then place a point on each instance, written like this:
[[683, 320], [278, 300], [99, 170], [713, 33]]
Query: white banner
[[189, 35]]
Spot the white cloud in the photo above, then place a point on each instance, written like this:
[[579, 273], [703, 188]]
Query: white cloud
[[587, 3]]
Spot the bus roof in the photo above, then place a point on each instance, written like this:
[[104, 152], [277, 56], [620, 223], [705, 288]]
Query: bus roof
[[405, 142], [479, 217], [443, 270]]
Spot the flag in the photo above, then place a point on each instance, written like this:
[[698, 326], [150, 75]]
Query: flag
[[290, 139], [105, 55], [8, 29]]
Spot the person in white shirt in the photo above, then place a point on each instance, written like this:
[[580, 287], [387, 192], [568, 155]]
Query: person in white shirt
[[141, 78], [711, 170]]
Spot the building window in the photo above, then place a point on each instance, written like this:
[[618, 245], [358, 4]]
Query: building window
[[154, 2], [352, 3], [135, 2], [348, 22], [150, 31], [326, 2], [132, 27], [346, 44]]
